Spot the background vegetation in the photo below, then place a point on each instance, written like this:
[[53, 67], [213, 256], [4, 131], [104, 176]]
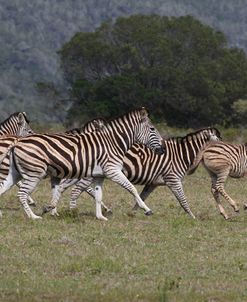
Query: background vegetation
[[177, 67], [32, 33]]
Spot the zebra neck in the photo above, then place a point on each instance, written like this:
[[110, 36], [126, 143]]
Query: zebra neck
[[121, 134]]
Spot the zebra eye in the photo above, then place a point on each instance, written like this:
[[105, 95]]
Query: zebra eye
[[152, 128]]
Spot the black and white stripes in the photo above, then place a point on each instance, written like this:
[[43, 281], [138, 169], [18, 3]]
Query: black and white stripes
[[144, 167], [96, 154]]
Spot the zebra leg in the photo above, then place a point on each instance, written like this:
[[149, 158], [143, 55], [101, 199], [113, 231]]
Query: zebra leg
[[216, 195], [219, 186], [98, 198], [118, 177], [177, 189], [147, 190], [31, 202], [58, 187], [12, 178], [26, 188], [79, 188], [91, 192]]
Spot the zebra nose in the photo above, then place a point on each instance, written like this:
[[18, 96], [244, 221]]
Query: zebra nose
[[159, 150]]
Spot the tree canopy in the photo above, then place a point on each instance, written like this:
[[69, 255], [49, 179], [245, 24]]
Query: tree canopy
[[179, 68]]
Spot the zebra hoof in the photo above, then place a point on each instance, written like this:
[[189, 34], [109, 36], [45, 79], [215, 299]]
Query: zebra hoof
[[149, 213], [47, 209], [33, 204]]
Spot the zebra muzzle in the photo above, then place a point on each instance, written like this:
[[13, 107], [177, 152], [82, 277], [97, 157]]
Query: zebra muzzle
[[159, 150], [47, 209]]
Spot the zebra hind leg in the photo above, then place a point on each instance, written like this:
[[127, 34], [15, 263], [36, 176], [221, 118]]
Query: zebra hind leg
[[26, 188], [216, 195], [177, 189], [219, 186], [31, 202]]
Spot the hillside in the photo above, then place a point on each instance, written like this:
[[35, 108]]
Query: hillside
[[32, 32]]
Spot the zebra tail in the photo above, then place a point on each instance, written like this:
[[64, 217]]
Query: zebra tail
[[8, 150]]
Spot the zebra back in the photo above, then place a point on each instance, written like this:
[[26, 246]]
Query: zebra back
[[16, 124], [224, 156]]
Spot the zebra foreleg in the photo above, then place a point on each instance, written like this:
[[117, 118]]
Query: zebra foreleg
[[177, 190], [118, 177]]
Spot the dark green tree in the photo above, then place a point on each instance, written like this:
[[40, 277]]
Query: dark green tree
[[179, 68]]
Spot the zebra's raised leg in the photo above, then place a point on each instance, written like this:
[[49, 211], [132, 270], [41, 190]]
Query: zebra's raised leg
[[147, 190], [177, 189], [118, 177]]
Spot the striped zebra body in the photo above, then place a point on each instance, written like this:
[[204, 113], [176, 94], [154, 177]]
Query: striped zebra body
[[222, 160], [144, 167], [96, 154]]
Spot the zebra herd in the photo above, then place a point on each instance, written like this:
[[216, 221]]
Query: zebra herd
[[127, 150]]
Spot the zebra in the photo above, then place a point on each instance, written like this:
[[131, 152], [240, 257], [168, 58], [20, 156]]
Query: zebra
[[7, 142], [142, 166], [222, 160], [96, 154]]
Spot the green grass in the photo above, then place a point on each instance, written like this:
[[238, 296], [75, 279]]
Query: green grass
[[165, 257]]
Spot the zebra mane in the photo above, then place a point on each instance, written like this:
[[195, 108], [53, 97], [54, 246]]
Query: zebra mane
[[13, 115], [192, 134], [141, 112], [85, 126], [98, 119]]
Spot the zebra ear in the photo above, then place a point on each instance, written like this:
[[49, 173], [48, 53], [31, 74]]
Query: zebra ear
[[21, 118], [144, 113]]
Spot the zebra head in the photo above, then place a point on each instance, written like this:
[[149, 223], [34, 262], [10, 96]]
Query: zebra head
[[212, 134], [23, 125], [147, 134]]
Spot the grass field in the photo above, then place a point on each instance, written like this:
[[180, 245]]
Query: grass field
[[165, 257]]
